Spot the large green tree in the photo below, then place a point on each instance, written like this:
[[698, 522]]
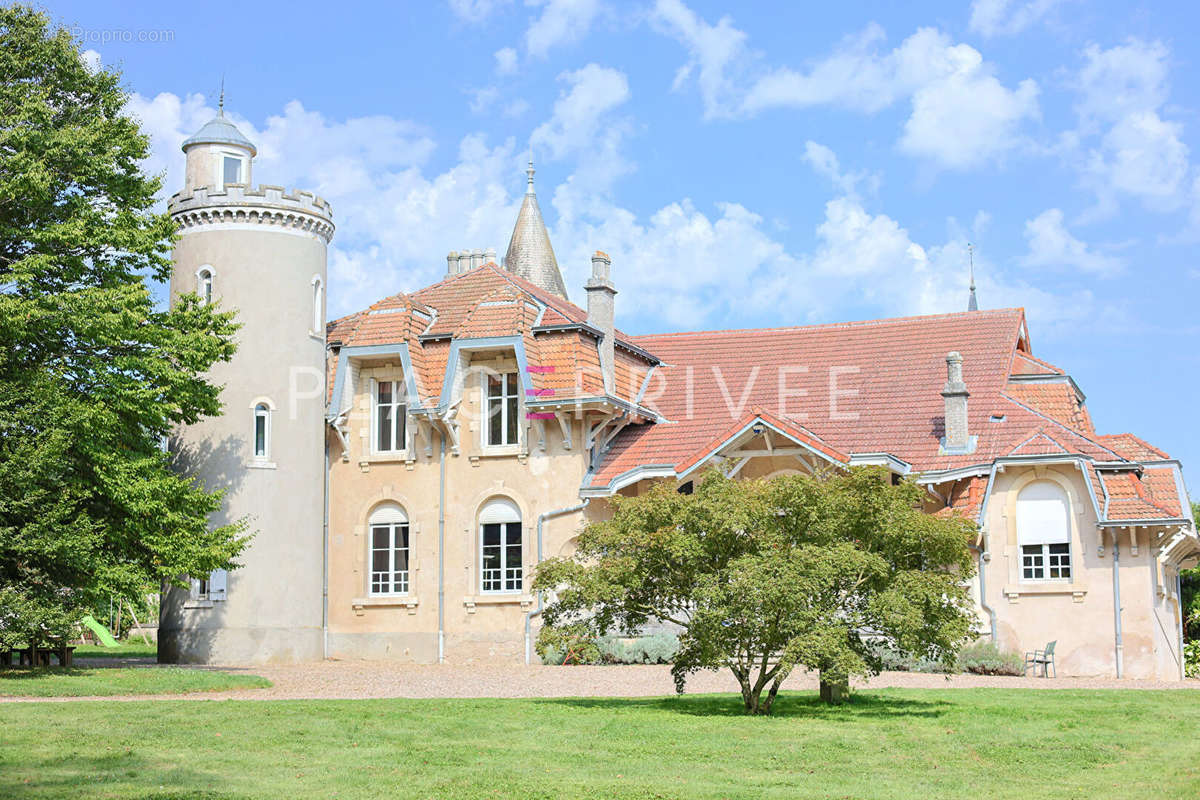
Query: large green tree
[[764, 576], [93, 375]]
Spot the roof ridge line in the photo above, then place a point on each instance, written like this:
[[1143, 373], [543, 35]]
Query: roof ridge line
[[1067, 428]]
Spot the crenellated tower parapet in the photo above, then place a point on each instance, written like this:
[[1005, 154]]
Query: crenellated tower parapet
[[272, 207]]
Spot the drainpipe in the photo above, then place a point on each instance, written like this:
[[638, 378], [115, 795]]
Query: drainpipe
[[1117, 601], [985, 558], [325, 561], [529, 615], [442, 550], [1179, 608]]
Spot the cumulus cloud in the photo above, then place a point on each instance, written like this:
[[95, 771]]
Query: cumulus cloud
[[1124, 146], [561, 22], [584, 126], [713, 51], [1052, 245], [1008, 17], [962, 114]]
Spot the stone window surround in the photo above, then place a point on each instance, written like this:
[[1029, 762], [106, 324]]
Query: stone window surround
[[367, 377], [1016, 585]]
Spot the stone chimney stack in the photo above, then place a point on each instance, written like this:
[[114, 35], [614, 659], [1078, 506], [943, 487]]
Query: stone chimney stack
[[489, 255], [452, 262], [958, 438], [601, 313]]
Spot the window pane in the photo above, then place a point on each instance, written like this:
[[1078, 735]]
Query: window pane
[[233, 170], [495, 386], [495, 422], [491, 535], [385, 427], [379, 537], [513, 533], [511, 431], [401, 440], [260, 432]]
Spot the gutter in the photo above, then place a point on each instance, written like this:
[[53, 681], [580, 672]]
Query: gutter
[[325, 560], [985, 555], [1179, 608], [1120, 647], [529, 615]]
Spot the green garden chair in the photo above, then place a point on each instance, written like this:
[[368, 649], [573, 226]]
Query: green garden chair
[[1042, 659]]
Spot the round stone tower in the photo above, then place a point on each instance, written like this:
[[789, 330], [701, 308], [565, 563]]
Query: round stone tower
[[260, 251]]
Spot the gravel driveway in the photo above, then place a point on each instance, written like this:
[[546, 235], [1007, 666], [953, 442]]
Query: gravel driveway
[[353, 680]]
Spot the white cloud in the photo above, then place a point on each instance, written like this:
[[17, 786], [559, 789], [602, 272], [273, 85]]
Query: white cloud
[[825, 162], [561, 22], [962, 115], [1008, 17], [506, 61], [1052, 245], [483, 99], [1121, 80], [91, 58], [475, 11], [1123, 145], [584, 127], [713, 50]]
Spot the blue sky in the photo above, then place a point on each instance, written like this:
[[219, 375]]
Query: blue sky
[[744, 166]]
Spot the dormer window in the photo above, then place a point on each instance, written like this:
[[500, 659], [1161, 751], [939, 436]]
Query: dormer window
[[501, 408]]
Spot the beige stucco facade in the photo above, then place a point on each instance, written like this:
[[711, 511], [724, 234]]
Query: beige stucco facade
[[1080, 613]]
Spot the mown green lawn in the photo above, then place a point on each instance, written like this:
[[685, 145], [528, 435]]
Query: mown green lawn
[[132, 649], [81, 681], [931, 745]]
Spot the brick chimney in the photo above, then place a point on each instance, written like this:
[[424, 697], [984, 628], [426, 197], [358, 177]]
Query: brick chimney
[[601, 313], [955, 394]]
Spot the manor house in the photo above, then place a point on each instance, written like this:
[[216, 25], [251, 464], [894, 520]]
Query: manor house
[[406, 467]]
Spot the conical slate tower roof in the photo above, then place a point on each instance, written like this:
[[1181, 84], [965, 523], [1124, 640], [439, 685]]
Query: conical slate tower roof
[[219, 130], [529, 252]]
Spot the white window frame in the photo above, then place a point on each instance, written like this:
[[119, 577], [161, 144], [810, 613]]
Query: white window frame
[[1043, 552], [220, 167], [262, 411], [510, 392], [399, 421], [318, 311], [397, 583], [509, 577], [205, 284]]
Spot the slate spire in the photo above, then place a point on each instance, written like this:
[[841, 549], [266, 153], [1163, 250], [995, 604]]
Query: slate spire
[[530, 254]]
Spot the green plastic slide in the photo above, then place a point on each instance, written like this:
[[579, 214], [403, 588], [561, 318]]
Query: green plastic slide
[[101, 632]]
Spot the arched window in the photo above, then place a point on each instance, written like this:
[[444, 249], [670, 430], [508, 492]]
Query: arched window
[[262, 431], [500, 547], [204, 285], [1044, 532], [389, 550], [318, 310]]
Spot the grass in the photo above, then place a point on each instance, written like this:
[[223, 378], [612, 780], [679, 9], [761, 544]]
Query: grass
[[993, 743], [129, 649], [85, 681]]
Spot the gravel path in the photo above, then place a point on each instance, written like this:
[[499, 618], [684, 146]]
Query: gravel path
[[354, 680]]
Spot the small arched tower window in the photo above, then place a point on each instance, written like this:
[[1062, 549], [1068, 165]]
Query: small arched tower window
[[204, 285], [500, 550], [318, 309], [1044, 532], [262, 431]]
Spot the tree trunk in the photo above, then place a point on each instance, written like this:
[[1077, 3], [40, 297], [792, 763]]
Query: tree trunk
[[835, 689]]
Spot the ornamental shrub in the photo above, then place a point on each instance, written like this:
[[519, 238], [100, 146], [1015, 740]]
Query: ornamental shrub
[[986, 658]]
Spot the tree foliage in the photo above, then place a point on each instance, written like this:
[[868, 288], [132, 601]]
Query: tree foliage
[[93, 376], [764, 576], [1190, 580]]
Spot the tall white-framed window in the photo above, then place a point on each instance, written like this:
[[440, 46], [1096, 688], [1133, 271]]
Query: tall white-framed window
[[204, 284], [500, 547], [318, 305], [231, 168], [262, 431], [389, 550], [501, 408], [389, 412], [1044, 532]]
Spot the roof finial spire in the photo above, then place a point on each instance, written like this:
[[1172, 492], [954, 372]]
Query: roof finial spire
[[530, 172], [221, 102], [972, 302]]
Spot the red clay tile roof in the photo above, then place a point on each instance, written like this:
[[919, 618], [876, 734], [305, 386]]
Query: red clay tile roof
[[966, 497], [1132, 448], [1026, 364], [1151, 497], [1057, 400]]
